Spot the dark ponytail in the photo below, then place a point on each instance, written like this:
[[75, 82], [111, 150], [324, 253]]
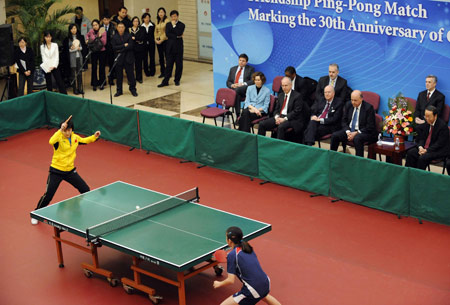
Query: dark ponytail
[[235, 235]]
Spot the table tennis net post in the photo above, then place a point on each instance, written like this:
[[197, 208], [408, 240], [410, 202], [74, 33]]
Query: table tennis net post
[[96, 231]]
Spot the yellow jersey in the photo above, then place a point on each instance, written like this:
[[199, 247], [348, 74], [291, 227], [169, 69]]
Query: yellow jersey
[[64, 151]]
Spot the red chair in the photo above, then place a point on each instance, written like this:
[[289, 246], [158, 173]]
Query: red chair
[[372, 98], [273, 100], [379, 126], [412, 104], [445, 115], [225, 98], [276, 84], [325, 137]]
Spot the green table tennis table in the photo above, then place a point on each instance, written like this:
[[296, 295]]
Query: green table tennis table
[[175, 232]]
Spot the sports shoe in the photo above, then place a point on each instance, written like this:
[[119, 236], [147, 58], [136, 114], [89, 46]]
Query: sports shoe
[[34, 221]]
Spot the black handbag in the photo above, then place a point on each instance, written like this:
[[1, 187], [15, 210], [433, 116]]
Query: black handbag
[[95, 45]]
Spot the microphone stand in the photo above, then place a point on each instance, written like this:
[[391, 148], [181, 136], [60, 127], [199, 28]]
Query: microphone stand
[[78, 72], [109, 75]]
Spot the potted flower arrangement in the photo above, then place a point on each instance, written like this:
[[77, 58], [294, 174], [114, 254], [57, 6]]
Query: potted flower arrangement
[[399, 122]]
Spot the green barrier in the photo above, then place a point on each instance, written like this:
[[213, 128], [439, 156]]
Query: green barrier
[[21, 114], [429, 195], [117, 124], [370, 183], [295, 165], [60, 106], [158, 134], [227, 149]]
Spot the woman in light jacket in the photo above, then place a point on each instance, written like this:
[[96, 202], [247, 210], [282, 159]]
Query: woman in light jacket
[[161, 38], [50, 62]]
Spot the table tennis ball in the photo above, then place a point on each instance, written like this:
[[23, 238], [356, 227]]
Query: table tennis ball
[[137, 207]]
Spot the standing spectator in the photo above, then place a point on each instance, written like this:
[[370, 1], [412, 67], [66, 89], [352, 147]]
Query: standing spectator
[[123, 44], [50, 62], [24, 58], [161, 38], [83, 22], [149, 44], [73, 45], [98, 54], [138, 36], [174, 49], [110, 31], [122, 16]]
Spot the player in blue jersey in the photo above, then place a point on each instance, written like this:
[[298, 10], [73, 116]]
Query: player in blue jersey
[[243, 264]]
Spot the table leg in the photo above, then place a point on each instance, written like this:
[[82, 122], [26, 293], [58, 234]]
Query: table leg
[[95, 268], [181, 289], [397, 159], [59, 253], [371, 153]]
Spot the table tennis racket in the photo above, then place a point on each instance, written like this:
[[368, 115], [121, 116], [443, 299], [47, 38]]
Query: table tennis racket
[[220, 256]]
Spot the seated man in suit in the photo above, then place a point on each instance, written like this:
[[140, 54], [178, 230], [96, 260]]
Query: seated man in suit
[[291, 112], [431, 96], [239, 78], [339, 84], [326, 116], [358, 124], [432, 141], [297, 81]]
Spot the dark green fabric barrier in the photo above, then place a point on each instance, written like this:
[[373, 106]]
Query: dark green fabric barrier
[[227, 149], [370, 183], [21, 114], [429, 195], [167, 135], [295, 165], [60, 106], [117, 124]]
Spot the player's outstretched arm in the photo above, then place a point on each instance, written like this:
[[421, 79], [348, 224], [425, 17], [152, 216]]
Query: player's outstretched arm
[[228, 281]]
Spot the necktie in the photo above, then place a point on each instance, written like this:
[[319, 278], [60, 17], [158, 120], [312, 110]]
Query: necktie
[[428, 96], [427, 143], [325, 112], [354, 120], [284, 104], [332, 82], [238, 76]]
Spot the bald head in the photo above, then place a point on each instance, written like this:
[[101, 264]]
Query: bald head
[[328, 93], [286, 84], [356, 98]]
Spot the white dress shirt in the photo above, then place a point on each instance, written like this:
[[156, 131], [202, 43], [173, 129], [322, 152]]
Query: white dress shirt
[[357, 122]]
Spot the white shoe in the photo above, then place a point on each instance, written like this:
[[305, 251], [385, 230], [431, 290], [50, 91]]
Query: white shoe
[[34, 221]]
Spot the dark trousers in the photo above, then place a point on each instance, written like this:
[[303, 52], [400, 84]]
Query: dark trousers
[[245, 121], [240, 96], [129, 68], [413, 159], [29, 80], [59, 81], [110, 62], [138, 59], [269, 124], [174, 57], [315, 130], [149, 52], [54, 179], [162, 57], [340, 136], [98, 59]]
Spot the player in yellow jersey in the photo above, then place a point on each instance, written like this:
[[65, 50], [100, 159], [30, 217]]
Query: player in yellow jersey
[[65, 144]]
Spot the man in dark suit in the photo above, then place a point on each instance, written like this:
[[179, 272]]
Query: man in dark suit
[[339, 84], [174, 49], [358, 124], [239, 78], [428, 97], [122, 16], [291, 112], [298, 84], [326, 116], [432, 141], [110, 31], [123, 44]]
